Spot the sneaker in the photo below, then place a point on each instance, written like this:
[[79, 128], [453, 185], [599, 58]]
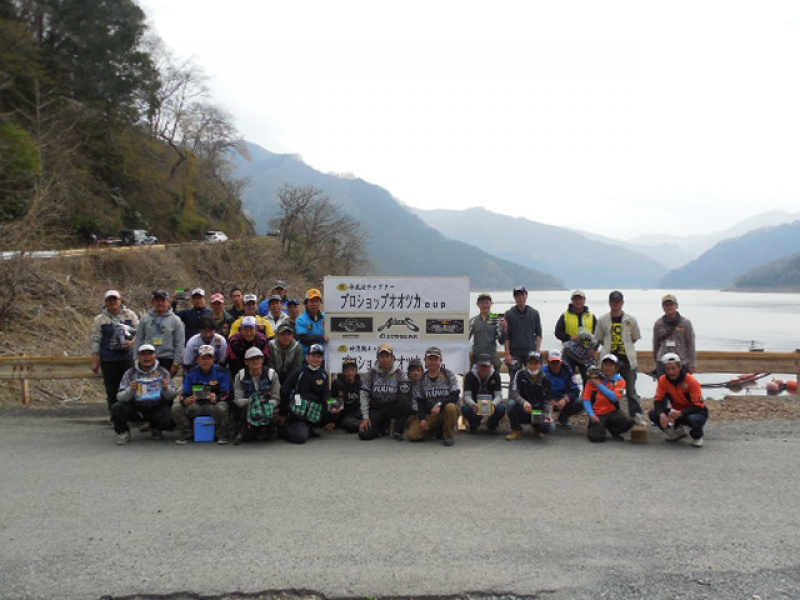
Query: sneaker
[[639, 419], [156, 434], [182, 441], [514, 435], [222, 441], [449, 441], [698, 443], [237, 440], [398, 436], [673, 435], [123, 438]]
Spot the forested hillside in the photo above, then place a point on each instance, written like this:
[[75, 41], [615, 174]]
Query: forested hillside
[[102, 128]]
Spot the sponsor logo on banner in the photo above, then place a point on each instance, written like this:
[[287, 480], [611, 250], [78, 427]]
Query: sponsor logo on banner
[[398, 329], [439, 326], [352, 324]]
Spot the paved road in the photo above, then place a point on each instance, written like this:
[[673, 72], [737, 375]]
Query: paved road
[[558, 518]]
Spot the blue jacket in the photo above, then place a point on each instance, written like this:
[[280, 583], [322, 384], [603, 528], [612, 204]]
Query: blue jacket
[[310, 330], [564, 384], [218, 379]]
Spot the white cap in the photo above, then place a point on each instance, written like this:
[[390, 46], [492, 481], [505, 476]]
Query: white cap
[[249, 322], [670, 357], [554, 355], [205, 350], [199, 292], [250, 298], [253, 353], [147, 347], [610, 357], [111, 293]]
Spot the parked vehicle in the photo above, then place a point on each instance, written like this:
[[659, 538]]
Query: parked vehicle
[[215, 236], [137, 237]]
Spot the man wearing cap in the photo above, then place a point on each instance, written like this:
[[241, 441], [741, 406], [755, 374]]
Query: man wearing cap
[[164, 330], [385, 396], [237, 303], [262, 324], [304, 398], [618, 332], [601, 395], [145, 393], [530, 399], [435, 406], [278, 289], [112, 341], [310, 326], [222, 318], [576, 325], [566, 388], [678, 403], [191, 316], [240, 343], [206, 391], [208, 336], [256, 382], [345, 402], [275, 314], [483, 395], [414, 370], [285, 353], [484, 330], [673, 333], [523, 331]]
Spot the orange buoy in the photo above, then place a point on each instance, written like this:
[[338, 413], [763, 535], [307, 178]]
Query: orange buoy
[[773, 388], [791, 386]]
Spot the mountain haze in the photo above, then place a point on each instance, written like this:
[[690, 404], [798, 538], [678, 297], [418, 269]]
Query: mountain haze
[[568, 254], [400, 242]]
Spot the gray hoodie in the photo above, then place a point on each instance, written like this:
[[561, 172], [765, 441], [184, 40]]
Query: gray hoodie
[[138, 380], [379, 388], [166, 332]]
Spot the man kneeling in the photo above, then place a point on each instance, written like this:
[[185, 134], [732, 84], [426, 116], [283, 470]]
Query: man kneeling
[[601, 396], [435, 402], [685, 398], [257, 398]]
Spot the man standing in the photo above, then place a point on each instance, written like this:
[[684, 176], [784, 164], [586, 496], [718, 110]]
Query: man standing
[[673, 333], [385, 396], [617, 332], [222, 318], [310, 326], [523, 331], [191, 317], [679, 403], [435, 402], [237, 302], [206, 392], [485, 332], [275, 314], [483, 395], [576, 326], [112, 340], [145, 393], [161, 328], [250, 308]]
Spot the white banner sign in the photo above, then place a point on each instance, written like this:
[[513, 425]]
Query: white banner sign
[[393, 294], [455, 355]]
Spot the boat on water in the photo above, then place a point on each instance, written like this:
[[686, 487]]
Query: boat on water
[[756, 346]]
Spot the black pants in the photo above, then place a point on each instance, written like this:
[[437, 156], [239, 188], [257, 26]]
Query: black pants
[[113, 372], [348, 419], [380, 417], [616, 423], [296, 431], [159, 415]]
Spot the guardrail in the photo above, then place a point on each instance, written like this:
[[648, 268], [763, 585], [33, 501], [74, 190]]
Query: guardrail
[[25, 368]]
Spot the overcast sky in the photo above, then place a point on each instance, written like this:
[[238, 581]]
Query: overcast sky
[[616, 117]]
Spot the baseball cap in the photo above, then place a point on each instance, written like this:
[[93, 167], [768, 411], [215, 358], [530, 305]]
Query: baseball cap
[[520, 289], [534, 355], [205, 350], [669, 298], [161, 294], [285, 327], [615, 295], [349, 361], [249, 322], [316, 349], [610, 357], [554, 355], [199, 292], [253, 353], [433, 351], [484, 296], [579, 294], [112, 294], [483, 359], [385, 348], [217, 298], [147, 348], [414, 362], [279, 284], [670, 357], [313, 293], [275, 298], [294, 301], [250, 298]]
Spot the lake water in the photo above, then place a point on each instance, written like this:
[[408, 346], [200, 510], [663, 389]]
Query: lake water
[[722, 320]]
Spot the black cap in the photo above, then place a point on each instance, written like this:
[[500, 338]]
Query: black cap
[[349, 361], [520, 289], [161, 294], [615, 295]]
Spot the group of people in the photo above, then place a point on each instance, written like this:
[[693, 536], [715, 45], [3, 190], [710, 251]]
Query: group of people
[[258, 370]]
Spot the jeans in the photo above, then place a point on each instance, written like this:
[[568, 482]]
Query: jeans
[[474, 419], [517, 416], [695, 422], [629, 375]]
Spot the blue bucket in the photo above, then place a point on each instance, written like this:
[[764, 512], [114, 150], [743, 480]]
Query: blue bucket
[[204, 429]]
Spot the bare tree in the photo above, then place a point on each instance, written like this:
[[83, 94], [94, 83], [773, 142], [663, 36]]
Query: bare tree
[[316, 234]]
